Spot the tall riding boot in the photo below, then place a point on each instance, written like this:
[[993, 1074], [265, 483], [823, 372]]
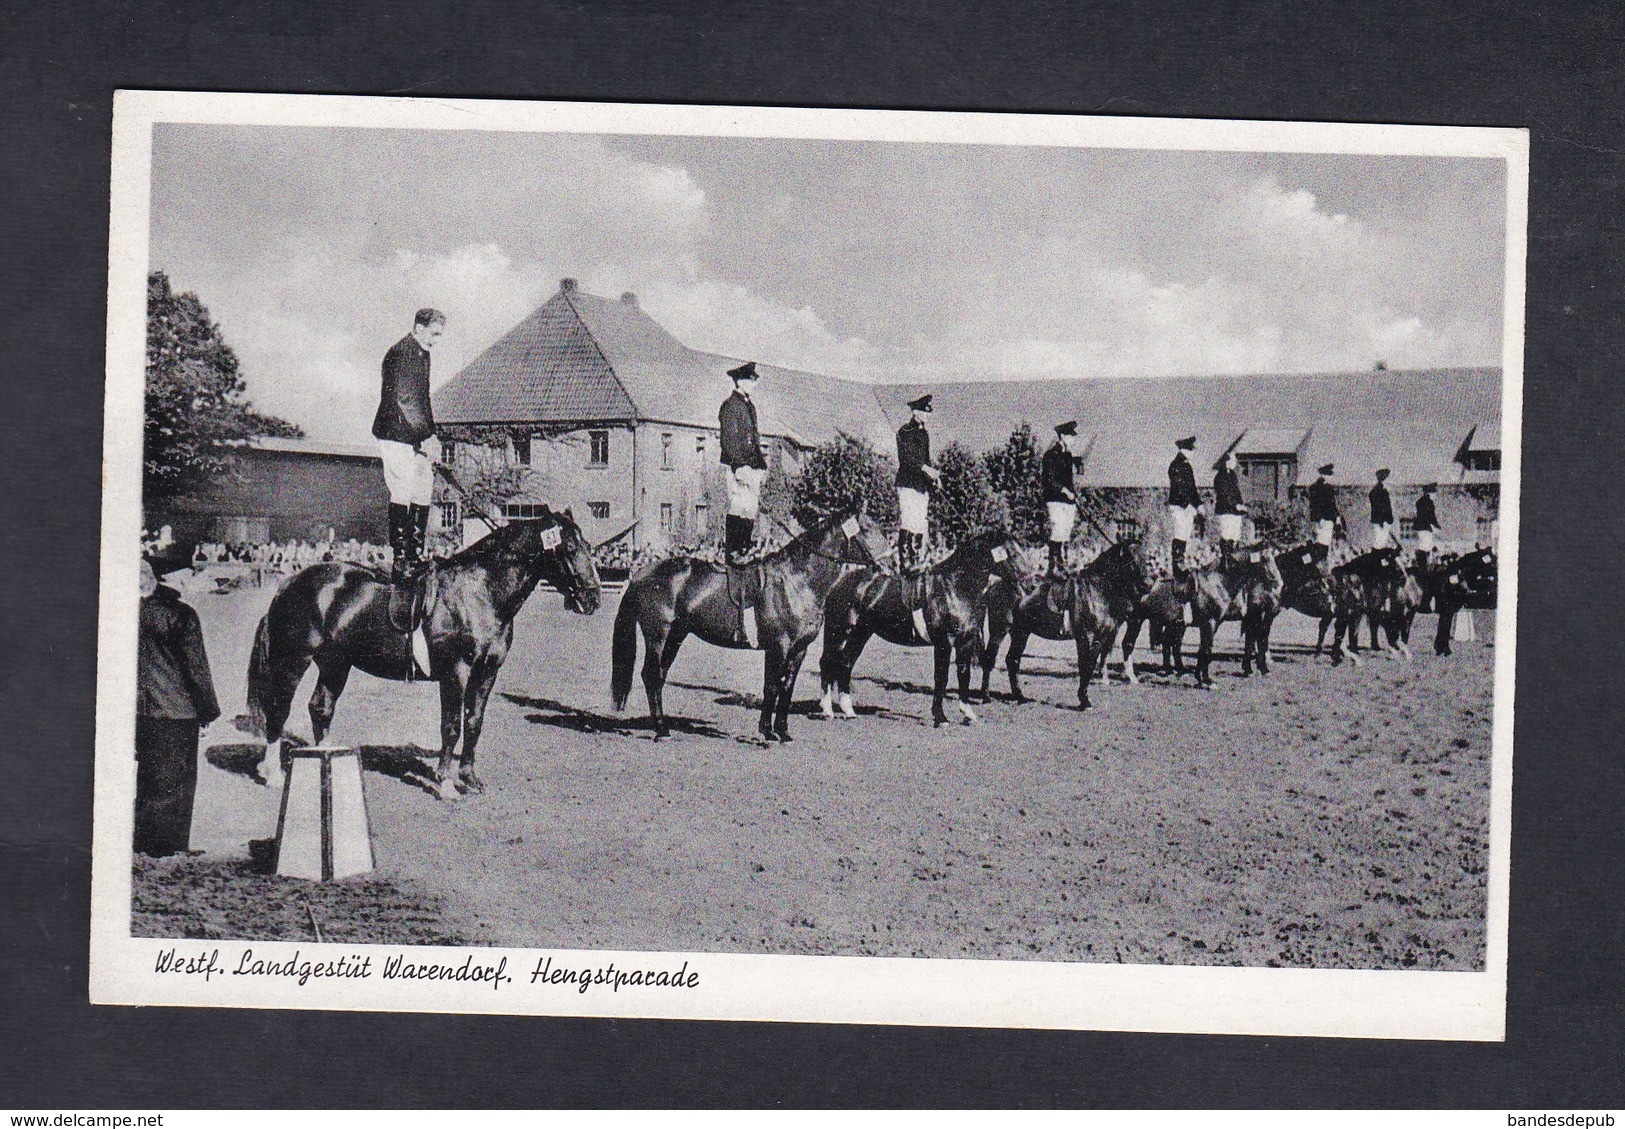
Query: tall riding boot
[[1178, 558], [402, 567], [1322, 553], [1420, 569], [905, 555], [1227, 553], [737, 538], [420, 533], [1057, 558]]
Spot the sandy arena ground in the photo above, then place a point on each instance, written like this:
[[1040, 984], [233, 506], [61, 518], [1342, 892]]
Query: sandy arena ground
[[1322, 817]]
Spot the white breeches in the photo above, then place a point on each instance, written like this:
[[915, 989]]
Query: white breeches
[[911, 510], [1062, 516], [1229, 527], [1325, 530], [408, 474], [1382, 536], [1424, 540], [1182, 522], [744, 490]]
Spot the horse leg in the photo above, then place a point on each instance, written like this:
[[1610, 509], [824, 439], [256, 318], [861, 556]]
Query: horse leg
[[1264, 630], [1086, 665], [277, 704], [1249, 628], [475, 699], [856, 640], [787, 690], [1012, 662], [1204, 654], [453, 688], [990, 653], [1131, 635], [330, 682], [1447, 623], [967, 648], [829, 663], [772, 675], [1320, 640], [942, 653], [654, 679]]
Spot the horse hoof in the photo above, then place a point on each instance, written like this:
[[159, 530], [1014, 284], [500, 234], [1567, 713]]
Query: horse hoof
[[846, 707], [470, 783], [447, 790], [784, 736]]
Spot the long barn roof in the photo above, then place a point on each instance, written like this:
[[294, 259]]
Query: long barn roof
[[581, 358]]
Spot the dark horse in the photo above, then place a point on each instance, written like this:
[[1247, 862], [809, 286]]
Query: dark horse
[[337, 615], [951, 597], [1247, 587], [1468, 581], [1086, 606], [681, 596], [1373, 587], [1307, 588]]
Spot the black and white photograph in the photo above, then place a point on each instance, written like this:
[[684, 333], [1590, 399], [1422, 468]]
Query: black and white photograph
[[853, 566]]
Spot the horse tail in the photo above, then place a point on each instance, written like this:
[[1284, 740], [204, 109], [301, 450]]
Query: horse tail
[[259, 665], [625, 653]]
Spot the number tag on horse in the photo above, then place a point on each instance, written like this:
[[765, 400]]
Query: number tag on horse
[[999, 554], [551, 537], [850, 527]]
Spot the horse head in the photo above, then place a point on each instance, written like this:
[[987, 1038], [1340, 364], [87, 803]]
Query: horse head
[[1000, 551], [566, 557], [1125, 563], [849, 538]]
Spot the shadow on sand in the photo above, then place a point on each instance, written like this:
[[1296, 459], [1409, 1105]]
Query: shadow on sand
[[561, 716]]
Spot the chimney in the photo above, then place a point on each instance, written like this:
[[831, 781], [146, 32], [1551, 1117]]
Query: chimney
[[629, 298], [567, 285]]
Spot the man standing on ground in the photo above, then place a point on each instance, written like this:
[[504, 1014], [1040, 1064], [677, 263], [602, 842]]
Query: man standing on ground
[[1382, 513], [743, 467], [1323, 513], [1060, 493], [174, 700], [915, 476], [1227, 505], [404, 428]]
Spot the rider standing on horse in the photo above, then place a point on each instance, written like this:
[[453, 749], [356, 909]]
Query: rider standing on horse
[[404, 428], [1382, 513], [915, 476], [1182, 502], [1060, 492], [1426, 524], [744, 468], [1227, 505], [1323, 513]]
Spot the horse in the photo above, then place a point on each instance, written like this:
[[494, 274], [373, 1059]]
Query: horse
[[1468, 581], [1086, 606], [337, 616], [1307, 589], [683, 596], [1246, 587], [1367, 588], [950, 599]]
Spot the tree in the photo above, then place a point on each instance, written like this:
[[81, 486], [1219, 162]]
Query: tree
[[1014, 473], [965, 502], [197, 409], [843, 475], [488, 478]]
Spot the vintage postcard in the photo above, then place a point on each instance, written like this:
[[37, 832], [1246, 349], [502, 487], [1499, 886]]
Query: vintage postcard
[[841, 566]]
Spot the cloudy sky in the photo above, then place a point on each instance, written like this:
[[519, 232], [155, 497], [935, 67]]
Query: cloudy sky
[[880, 261]]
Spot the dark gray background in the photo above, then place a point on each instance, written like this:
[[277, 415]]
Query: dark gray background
[[1554, 69]]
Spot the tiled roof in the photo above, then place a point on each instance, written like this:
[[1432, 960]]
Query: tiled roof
[[545, 369], [583, 357], [1410, 421]]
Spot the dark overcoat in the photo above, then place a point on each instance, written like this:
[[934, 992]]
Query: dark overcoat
[[1427, 517], [1058, 473], [913, 456], [172, 669], [1182, 483], [1322, 501], [741, 441], [1226, 492], [1382, 506], [405, 414]]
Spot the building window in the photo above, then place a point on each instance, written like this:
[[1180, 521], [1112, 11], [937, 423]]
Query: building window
[[599, 510], [523, 510], [1126, 528], [448, 452], [665, 517], [599, 453], [665, 450], [1267, 478], [448, 515], [702, 518], [1482, 460], [521, 450], [699, 444]]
